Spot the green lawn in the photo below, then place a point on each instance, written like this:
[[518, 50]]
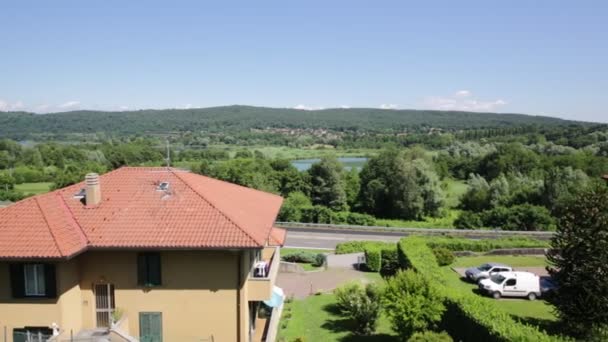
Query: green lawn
[[317, 319], [511, 260], [33, 188]]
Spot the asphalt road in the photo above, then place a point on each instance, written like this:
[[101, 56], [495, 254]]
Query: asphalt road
[[329, 238], [323, 240]]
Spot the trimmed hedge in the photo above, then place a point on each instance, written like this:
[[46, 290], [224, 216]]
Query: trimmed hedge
[[359, 246], [469, 317], [373, 258], [389, 263], [485, 245]]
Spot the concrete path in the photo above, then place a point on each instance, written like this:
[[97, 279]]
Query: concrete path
[[302, 285], [343, 260]]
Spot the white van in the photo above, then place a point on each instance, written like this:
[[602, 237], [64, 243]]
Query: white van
[[512, 284]]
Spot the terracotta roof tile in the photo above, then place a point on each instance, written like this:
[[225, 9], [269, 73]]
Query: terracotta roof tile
[[196, 212], [277, 236]]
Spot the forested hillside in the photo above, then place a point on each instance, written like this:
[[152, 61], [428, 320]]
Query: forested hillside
[[20, 125]]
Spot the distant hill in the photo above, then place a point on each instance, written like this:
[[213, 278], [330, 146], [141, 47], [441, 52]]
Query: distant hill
[[22, 125]]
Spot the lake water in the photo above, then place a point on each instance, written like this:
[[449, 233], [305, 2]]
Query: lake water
[[348, 162]]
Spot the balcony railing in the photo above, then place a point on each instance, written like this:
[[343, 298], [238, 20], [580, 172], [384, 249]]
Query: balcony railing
[[264, 275]]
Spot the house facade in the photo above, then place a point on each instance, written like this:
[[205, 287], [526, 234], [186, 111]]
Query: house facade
[[156, 254]]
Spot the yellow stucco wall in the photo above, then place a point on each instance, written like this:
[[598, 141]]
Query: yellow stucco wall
[[17, 313], [201, 294], [197, 298]]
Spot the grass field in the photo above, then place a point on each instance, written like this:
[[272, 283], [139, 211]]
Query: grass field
[[316, 318], [511, 260], [33, 188]]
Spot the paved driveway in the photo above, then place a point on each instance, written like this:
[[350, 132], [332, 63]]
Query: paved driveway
[[302, 285]]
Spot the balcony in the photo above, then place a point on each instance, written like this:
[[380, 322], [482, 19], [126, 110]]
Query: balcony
[[264, 275]]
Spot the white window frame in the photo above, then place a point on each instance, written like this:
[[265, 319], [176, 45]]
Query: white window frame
[[39, 285]]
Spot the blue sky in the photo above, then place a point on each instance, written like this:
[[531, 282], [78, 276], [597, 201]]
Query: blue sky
[[536, 57]]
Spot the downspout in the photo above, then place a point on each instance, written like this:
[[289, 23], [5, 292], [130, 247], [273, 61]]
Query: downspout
[[238, 295]]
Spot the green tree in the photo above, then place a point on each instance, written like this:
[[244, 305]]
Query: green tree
[[561, 184], [352, 184], [412, 303], [393, 185], [579, 261], [361, 305], [7, 182], [327, 188]]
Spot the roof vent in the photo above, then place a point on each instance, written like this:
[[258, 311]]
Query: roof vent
[[92, 189], [164, 186], [80, 194]]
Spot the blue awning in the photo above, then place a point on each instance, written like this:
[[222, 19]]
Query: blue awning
[[277, 297]]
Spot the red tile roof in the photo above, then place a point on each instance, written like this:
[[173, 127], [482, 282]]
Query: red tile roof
[[196, 212], [277, 236]]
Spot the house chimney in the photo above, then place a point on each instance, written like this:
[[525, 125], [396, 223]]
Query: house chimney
[[92, 190]]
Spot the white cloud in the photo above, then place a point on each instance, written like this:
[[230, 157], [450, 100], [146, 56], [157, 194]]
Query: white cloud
[[344, 106], [462, 93], [463, 100], [388, 106], [69, 105], [304, 107], [6, 106]]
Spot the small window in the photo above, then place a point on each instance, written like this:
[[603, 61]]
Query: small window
[[148, 269], [164, 186], [34, 280], [511, 282]]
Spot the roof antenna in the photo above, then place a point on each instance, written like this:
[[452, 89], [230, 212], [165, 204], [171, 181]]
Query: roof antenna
[[168, 153]]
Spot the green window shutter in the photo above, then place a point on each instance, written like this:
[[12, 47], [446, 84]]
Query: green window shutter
[[149, 269], [141, 269], [154, 270], [17, 276], [19, 335], [50, 281], [150, 327]]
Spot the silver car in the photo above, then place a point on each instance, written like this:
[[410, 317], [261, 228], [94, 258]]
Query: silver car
[[484, 271]]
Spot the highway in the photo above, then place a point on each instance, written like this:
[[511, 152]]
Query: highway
[[329, 240], [329, 237]]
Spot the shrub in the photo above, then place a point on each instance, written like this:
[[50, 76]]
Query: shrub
[[430, 336], [411, 303], [362, 305], [360, 219], [373, 258], [389, 261], [519, 217], [468, 220], [359, 246], [316, 214], [320, 260], [444, 256], [339, 217], [462, 244], [300, 256]]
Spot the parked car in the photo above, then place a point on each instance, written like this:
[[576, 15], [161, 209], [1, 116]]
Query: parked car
[[512, 284], [485, 271]]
